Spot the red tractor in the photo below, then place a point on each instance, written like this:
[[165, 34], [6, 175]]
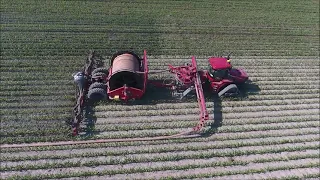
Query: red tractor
[[223, 79], [127, 79]]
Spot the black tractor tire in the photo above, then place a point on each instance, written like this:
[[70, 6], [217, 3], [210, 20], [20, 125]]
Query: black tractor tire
[[99, 75], [100, 70], [97, 85], [97, 94], [230, 90]]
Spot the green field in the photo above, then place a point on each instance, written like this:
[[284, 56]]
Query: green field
[[271, 133]]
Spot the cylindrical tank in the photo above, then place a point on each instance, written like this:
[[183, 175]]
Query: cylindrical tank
[[125, 62], [124, 68]]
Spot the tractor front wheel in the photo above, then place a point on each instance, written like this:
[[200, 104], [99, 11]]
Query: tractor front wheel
[[230, 90]]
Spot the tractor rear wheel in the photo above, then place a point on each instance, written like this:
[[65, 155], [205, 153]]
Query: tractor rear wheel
[[99, 75], [97, 94], [230, 90]]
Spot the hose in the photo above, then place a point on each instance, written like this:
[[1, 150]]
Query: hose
[[185, 134]]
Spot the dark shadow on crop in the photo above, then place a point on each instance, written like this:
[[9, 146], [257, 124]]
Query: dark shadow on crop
[[246, 89], [155, 95], [217, 116], [88, 125]]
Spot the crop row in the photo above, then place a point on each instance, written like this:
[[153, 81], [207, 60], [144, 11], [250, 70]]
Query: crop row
[[288, 101], [223, 104], [187, 123], [37, 99], [159, 122], [140, 159], [296, 6], [34, 104], [62, 135], [262, 65], [282, 96], [76, 47], [36, 92], [53, 32], [71, 91], [55, 47], [52, 76], [185, 110], [88, 30], [211, 172], [129, 133], [251, 97], [265, 78], [8, 72], [263, 83], [161, 61], [216, 168], [285, 174]]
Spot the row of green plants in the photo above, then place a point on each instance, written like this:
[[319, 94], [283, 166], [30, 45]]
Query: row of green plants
[[223, 129], [161, 157], [253, 168], [123, 124], [224, 104], [227, 112]]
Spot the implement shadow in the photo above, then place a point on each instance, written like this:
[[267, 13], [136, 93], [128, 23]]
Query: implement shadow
[[217, 116], [89, 121]]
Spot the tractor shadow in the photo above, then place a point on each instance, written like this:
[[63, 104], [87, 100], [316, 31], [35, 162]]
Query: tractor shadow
[[246, 89]]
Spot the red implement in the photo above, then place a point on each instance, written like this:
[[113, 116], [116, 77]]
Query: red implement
[[200, 96], [188, 78]]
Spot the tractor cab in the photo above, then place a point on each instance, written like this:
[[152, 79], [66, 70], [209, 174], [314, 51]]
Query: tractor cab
[[219, 68]]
